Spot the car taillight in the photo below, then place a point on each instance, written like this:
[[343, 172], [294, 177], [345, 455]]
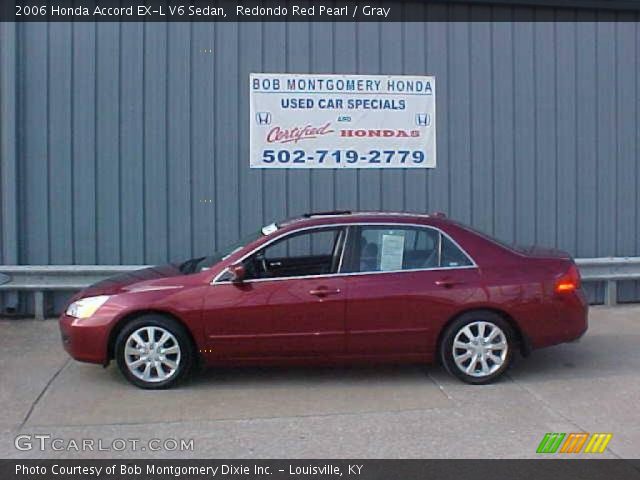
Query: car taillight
[[570, 281]]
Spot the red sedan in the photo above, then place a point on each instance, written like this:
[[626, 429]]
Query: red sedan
[[334, 287]]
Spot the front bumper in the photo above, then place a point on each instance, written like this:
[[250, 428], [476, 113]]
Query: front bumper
[[85, 340]]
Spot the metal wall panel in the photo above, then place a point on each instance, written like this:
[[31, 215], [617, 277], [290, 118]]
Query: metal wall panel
[[9, 237], [132, 139]]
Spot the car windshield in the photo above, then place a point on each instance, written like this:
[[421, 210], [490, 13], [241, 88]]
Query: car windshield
[[200, 263]]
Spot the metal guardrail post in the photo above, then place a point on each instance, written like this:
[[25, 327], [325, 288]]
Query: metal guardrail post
[[611, 293], [38, 304]]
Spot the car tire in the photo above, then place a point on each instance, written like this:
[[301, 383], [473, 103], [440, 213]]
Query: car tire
[[154, 352], [477, 347]]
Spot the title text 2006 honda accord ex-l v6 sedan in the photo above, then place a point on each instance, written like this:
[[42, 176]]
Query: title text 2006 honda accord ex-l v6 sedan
[[334, 287]]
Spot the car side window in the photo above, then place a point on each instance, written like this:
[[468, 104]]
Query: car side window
[[452, 256], [382, 248], [314, 252]]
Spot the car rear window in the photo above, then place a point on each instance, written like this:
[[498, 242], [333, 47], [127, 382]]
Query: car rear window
[[486, 236]]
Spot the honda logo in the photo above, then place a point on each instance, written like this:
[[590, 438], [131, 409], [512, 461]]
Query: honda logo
[[263, 118], [423, 119]]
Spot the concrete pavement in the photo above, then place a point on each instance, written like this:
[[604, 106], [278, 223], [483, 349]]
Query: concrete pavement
[[382, 412]]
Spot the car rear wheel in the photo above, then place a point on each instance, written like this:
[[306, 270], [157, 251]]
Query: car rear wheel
[[154, 352], [477, 347]]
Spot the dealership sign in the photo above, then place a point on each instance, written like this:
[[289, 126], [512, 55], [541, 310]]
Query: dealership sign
[[342, 121]]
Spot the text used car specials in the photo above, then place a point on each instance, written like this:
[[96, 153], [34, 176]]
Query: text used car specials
[[342, 121]]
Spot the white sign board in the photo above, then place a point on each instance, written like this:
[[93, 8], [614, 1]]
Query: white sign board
[[392, 252], [342, 121]]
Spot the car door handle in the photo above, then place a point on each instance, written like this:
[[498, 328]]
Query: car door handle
[[448, 282], [323, 292]]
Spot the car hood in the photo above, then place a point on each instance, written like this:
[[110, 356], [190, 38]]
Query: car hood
[[119, 283]]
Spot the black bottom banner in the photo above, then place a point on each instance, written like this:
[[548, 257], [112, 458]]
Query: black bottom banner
[[320, 469]]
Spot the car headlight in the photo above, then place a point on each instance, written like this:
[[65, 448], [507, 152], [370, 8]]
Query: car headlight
[[85, 307]]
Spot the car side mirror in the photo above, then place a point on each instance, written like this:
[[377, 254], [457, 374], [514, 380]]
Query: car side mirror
[[238, 272]]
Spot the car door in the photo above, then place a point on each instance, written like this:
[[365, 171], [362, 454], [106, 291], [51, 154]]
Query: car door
[[291, 303], [401, 292]]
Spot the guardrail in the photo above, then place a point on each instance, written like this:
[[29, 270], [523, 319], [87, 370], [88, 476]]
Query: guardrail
[[45, 278], [609, 270]]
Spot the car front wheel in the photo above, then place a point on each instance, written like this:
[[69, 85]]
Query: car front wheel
[[154, 352], [477, 347]]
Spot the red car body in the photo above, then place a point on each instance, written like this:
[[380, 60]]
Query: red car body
[[395, 316]]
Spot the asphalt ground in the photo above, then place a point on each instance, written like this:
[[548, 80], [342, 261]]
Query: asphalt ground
[[366, 412]]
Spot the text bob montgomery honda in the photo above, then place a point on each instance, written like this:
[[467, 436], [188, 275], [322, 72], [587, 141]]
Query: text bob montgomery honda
[[334, 287]]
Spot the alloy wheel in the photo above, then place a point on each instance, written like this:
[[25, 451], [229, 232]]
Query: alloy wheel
[[152, 354], [480, 348]]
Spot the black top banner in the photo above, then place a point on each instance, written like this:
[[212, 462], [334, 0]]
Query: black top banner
[[321, 469], [301, 11]]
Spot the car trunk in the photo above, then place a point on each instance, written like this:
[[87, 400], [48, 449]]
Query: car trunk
[[542, 252]]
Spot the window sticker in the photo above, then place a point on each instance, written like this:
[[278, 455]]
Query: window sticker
[[392, 251]]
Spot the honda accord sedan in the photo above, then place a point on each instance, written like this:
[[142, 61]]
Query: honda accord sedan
[[334, 287]]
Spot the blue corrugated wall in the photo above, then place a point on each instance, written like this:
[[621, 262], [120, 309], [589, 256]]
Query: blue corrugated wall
[[131, 140]]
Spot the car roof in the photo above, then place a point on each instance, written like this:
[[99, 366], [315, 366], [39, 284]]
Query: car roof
[[347, 216]]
